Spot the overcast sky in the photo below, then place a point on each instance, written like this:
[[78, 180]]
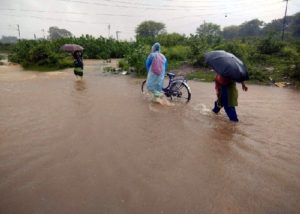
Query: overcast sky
[[95, 16]]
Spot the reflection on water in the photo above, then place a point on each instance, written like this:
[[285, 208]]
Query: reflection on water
[[98, 146], [80, 85]]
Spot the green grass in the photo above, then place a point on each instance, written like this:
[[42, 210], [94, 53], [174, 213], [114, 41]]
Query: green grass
[[205, 76]]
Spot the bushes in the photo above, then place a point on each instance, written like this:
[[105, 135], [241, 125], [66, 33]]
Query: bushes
[[136, 58], [30, 53], [256, 73], [295, 73], [4, 47], [239, 49], [40, 55], [291, 69], [289, 52], [123, 64], [199, 45], [269, 46], [47, 53], [171, 39], [178, 52]]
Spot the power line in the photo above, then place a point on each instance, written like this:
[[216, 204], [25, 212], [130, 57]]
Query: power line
[[126, 15], [223, 2], [53, 19], [109, 14], [160, 8]]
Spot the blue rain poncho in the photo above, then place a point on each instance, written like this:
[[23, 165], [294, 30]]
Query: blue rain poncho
[[156, 65]]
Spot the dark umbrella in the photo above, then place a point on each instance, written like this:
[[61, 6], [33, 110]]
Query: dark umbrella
[[227, 65], [71, 48]]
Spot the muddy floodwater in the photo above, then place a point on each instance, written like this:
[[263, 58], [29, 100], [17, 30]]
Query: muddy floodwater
[[98, 146]]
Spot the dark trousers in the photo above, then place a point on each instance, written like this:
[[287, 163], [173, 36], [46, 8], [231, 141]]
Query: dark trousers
[[230, 110]]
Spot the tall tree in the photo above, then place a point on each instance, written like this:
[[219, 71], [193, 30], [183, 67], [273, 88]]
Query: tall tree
[[274, 27], [56, 33], [231, 32], [295, 25], [251, 28], [150, 29], [209, 29]]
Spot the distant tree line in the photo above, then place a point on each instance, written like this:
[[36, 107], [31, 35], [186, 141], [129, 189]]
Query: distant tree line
[[249, 29], [257, 28], [8, 39]]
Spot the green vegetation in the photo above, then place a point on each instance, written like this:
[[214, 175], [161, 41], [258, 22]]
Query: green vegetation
[[6, 47], [206, 76], [256, 43], [46, 55], [136, 58], [39, 55]]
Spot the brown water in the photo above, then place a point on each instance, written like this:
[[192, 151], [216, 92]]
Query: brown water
[[98, 146]]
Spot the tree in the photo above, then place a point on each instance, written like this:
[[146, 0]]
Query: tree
[[295, 25], [9, 39], [273, 27], [209, 29], [56, 33], [150, 29], [251, 28], [231, 32]]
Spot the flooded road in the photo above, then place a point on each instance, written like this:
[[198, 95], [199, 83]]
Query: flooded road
[[98, 146]]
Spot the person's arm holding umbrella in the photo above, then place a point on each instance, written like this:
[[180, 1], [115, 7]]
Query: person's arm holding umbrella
[[244, 87]]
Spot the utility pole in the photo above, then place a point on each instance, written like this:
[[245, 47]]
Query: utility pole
[[19, 31], [34, 36], [108, 30], [284, 20], [117, 34], [43, 30]]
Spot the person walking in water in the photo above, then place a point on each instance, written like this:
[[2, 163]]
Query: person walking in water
[[156, 65], [227, 95], [78, 64]]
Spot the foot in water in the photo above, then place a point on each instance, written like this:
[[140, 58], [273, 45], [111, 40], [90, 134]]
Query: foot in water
[[163, 101]]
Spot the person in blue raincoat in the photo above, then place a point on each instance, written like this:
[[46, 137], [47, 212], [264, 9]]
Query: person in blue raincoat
[[156, 65]]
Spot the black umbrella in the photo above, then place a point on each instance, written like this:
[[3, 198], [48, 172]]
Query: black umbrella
[[71, 48], [227, 65]]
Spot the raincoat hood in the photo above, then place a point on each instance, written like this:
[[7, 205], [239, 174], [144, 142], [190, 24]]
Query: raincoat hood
[[156, 47]]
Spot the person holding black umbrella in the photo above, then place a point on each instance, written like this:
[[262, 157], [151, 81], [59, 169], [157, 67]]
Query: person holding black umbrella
[[229, 70], [227, 96], [77, 52], [78, 64]]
